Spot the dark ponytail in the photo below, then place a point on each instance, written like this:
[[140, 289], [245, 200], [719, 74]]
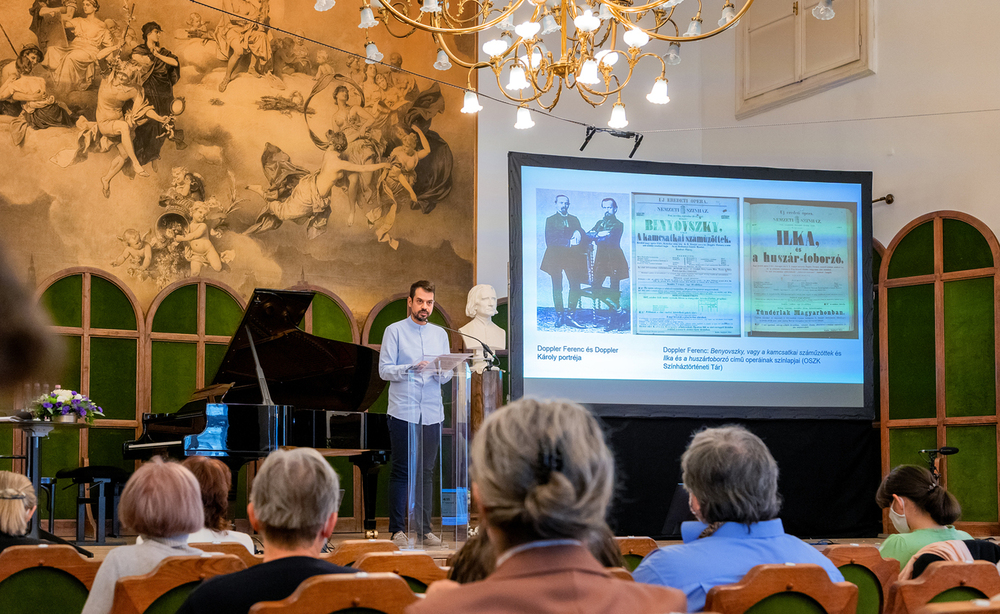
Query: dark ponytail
[[918, 485]]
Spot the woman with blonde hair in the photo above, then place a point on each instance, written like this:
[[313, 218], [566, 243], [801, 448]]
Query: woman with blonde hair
[[542, 478], [162, 503], [17, 505]]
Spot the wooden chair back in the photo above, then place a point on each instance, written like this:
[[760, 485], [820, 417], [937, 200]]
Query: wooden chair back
[[165, 588], [621, 573], [233, 548], [351, 550], [44, 578], [418, 569], [788, 587], [944, 581], [863, 566], [976, 606], [382, 592], [634, 549]]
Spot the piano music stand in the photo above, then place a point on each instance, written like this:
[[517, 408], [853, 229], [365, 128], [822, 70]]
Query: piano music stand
[[452, 374]]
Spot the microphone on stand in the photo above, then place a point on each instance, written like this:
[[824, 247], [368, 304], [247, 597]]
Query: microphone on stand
[[489, 354]]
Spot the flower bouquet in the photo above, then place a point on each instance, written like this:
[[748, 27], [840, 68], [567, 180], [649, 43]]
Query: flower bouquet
[[61, 402]]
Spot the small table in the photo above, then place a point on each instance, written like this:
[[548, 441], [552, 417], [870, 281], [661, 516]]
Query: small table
[[35, 430]]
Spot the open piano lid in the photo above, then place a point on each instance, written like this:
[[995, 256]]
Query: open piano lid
[[302, 370]]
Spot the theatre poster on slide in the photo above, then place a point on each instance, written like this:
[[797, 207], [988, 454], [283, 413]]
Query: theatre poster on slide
[[687, 271], [800, 278]]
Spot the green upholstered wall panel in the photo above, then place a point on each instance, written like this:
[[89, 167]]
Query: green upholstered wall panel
[[972, 474], [876, 375], [61, 450], [42, 590], [382, 496], [214, 353], [904, 443], [173, 381], [329, 320], [914, 255], [70, 377], [112, 376], [64, 301], [222, 312], [345, 471], [105, 447], [911, 352], [7, 448], [178, 313], [500, 319], [964, 247], [970, 357], [393, 312], [109, 306]]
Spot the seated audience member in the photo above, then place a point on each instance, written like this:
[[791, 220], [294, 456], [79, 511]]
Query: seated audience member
[[17, 505], [215, 480], [162, 503], [965, 551], [294, 507], [476, 559], [732, 482], [542, 478], [920, 509]]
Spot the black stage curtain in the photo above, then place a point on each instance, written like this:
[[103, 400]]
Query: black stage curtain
[[829, 472]]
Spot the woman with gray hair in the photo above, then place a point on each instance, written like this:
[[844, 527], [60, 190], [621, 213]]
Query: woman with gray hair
[[542, 478], [732, 484], [17, 505]]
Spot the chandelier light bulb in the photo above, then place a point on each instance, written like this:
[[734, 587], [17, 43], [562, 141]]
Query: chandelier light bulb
[[824, 10], [658, 95], [604, 13], [588, 73], [430, 6], [442, 62], [372, 53], [517, 80], [608, 57], [526, 30], [377, 5], [324, 5], [471, 103], [634, 37], [494, 48], [673, 56], [507, 24], [523, 119], [587, 22], [549, 24], [694, 28], [617, 120], [367, 18], [728, 14], [536, 58]]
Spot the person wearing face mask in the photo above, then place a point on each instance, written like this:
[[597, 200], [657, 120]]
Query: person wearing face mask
[[920, 509]]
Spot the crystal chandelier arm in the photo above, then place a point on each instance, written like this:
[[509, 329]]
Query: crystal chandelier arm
[[400, 16]]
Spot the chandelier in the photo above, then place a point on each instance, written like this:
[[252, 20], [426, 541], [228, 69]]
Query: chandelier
[[541, 47]]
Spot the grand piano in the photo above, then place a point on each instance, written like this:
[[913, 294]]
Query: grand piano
[[280, 386]]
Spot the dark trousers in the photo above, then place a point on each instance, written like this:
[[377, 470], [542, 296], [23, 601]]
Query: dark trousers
[[557, 292], [399, 479]]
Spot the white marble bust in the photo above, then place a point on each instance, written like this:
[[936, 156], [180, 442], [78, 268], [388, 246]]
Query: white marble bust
[[481, 307]]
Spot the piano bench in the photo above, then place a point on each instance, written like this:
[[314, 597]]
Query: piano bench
[[103, 481]]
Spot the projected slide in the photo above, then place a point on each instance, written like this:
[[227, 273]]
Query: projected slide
[[670, 286], [687, 275]]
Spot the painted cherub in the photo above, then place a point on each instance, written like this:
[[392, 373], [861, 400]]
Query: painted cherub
[[138, 252], [196, 27], [200, 250], [324, 67]]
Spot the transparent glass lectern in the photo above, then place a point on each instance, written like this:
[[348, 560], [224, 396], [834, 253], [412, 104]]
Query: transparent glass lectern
[[438, 452]]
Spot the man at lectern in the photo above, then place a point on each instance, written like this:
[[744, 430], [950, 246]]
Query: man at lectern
[[563, 236], [414, 404]]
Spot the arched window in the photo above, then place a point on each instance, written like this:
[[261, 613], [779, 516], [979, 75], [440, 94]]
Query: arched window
[[938, 346]]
